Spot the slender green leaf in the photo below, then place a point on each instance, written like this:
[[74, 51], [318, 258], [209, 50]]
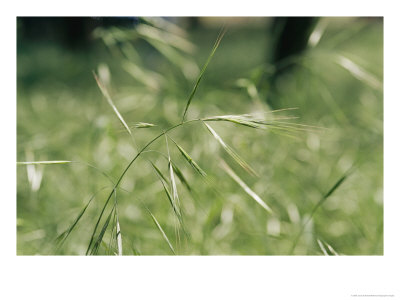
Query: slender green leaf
[[167, 192], [102, 232], [217, 42], [111, 103], [320, 202], [160, 174], [231, 152], [63, 236], [161, 230], [181, 177], [190, 160], [244, 186]]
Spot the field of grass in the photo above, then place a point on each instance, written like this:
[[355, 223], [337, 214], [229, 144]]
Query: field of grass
[[317, 189]]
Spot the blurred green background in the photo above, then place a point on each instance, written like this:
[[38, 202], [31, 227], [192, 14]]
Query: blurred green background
[[149, 66]]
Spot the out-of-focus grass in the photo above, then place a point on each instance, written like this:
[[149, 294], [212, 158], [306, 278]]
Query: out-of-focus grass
[[62, 115]]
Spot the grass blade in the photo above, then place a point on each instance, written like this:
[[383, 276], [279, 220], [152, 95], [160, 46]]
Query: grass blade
[[63, 236], [160, 229], [217, 42], [119, 238], [244, 186], [358, 72], [150, 79], [99, 219], [167, 192], [322, 247], [231, 152], [190, 160], [331, 249], [181, 177], [187, 66], [165, 37], [175, 191], [97, 244], [118, 228], [111, 103], [160, 174], [320, 202], [143, 125]]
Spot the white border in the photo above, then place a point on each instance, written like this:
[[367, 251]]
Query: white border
[[198, 277]]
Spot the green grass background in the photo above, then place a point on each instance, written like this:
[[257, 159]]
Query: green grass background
[[62, 115]]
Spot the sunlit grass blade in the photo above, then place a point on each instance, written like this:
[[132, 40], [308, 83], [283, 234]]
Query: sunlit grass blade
[[181, 177], [167, 192], [161, 230], [331, 249], [187, 66], [194, 165], [165, 37], [143, 125], [319, 203], [231, 152], [150, 79], [45, 162], [244, 186], [326, 247], [119, 237], [174, 189], [118, 234], [322, 247], [165, 25], [259, 121], [217, 42], [358, 72], [111, 103]]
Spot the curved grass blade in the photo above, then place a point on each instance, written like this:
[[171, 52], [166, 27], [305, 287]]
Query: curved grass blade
[[358, 72], [97, 244], [150, 79], [187, 66], [231, 152], [111, 103], [167, 192], [216, 44], [160, 174], [322, 247], [165, 37], [320, 202], [331, 249], [99, 219], [175, 195], [161, 230], [244, 186], [181, 177], [190, 160], [63, 236]]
